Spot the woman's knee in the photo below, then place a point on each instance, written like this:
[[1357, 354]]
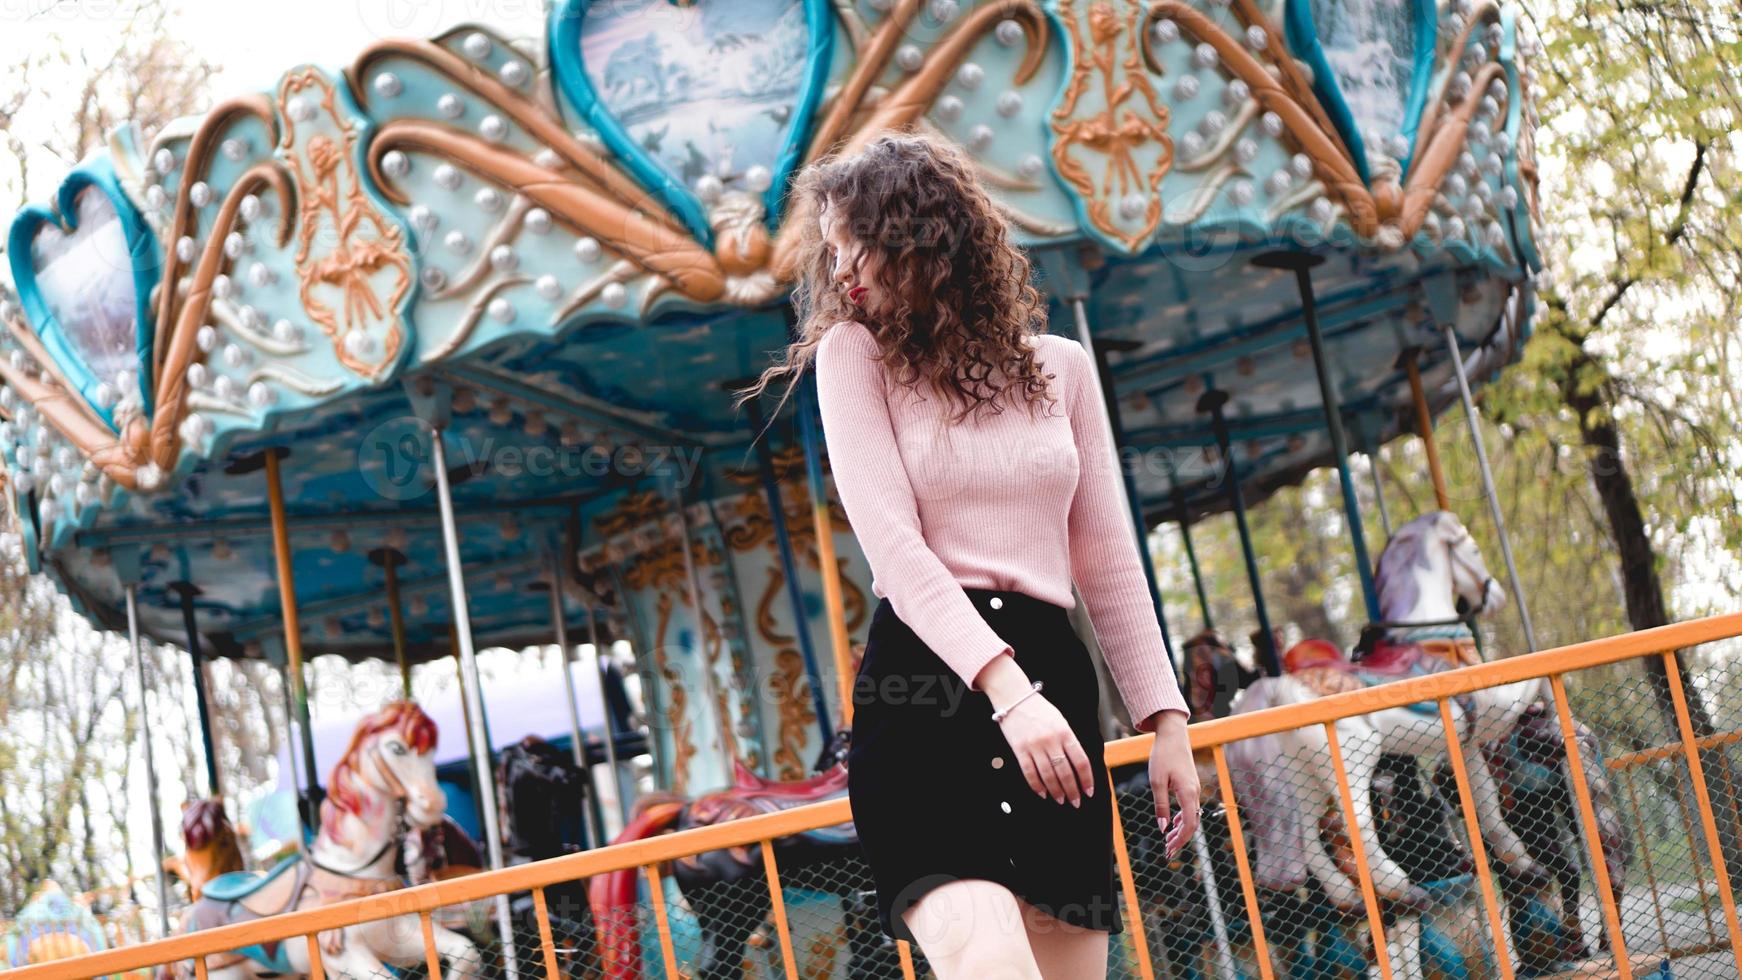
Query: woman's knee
[[972, 928]]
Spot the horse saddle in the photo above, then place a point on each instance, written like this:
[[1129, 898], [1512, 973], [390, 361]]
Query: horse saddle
[[1325, 674], [235, 886], [240, 896]]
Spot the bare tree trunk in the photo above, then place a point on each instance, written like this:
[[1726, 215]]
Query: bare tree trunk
[[1642, 587]]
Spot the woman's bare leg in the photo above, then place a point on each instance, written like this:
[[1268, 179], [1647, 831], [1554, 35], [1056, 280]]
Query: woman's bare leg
[[1064, 951], [972, 929]]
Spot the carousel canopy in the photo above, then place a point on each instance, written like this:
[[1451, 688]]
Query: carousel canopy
[[568, 251]]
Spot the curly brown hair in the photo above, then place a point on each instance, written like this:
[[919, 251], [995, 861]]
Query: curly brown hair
[[958, 306]]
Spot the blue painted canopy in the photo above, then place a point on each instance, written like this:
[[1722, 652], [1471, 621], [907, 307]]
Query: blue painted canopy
[[581, 242]]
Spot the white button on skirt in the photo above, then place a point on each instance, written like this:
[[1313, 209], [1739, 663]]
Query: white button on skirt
[[927, 806]]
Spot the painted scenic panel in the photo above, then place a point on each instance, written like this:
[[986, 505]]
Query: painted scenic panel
[[86, 281], [1370, 46], [702, 89]]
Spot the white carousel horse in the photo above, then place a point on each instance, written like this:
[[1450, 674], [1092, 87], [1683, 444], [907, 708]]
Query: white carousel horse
[[1428, 566], [384, 785]]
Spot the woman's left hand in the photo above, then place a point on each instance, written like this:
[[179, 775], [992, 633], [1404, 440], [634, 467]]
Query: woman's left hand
[[1174, 776]]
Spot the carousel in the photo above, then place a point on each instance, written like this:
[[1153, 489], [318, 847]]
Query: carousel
[[436, 351]]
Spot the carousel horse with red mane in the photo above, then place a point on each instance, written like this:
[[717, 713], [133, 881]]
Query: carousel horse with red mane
[[728, 889], [382, 788], [209, 845]]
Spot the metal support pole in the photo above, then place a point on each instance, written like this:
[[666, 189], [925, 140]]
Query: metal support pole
[[1127, 482], [1215, 403], [1488, 490], [710, 681], [1301, 264], [202, 697], [1185, 533], [390, 560], [605, 708], [292, 633], [1424, 426], [1367, 450], [560, 624], [801, 626], [157, 850], [471, 693], [828, 566]]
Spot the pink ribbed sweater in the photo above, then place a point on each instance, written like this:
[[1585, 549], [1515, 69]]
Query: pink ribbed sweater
[[1010, 500]]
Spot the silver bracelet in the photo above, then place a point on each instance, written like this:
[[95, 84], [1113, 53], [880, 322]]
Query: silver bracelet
[[1001, 713]]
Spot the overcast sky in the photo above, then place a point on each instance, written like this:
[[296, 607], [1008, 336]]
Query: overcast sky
[[251, 42], [254, 41]]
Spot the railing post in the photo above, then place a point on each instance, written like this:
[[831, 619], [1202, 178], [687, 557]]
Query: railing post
[[1364, 871], [1478, 847], [541, 910], [1247, 885], [777, 899], [317, 970], [1593, 840], [1133, 911], [1696, 771], [661, 918]]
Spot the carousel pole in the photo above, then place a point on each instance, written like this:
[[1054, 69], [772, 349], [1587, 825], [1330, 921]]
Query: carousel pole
[[1488, 491], [801, 627], [186, 591], [1366, 443], [390, 560], [559, 621], [1301, 264], [1128, 482], [471, 723], [1215, 403], [572, 547], [605, 708], [829, 567], [127, 565], [292, 631], [1424, 426], [273, 652], [471, 693], [1183, 519], [710, 681]]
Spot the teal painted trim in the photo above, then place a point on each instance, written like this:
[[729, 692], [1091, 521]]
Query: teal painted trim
[[99, 173], [566, 19], [1523, 239], [1427, 36], [1302, 36]]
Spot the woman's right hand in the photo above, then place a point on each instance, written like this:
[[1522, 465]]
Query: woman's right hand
[[1046, 748]]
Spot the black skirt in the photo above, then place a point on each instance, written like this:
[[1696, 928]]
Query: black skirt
[[936, 792]]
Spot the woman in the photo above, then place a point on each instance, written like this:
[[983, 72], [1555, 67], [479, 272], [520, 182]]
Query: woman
[[973, 685]]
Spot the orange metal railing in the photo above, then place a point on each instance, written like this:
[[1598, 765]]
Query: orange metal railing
[[1208, 738]]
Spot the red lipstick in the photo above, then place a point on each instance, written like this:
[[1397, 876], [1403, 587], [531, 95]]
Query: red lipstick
[[856, 295]]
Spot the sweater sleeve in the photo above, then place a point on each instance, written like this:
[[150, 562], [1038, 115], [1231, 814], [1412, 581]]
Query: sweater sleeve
[[879, 499], [1105, 562]]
